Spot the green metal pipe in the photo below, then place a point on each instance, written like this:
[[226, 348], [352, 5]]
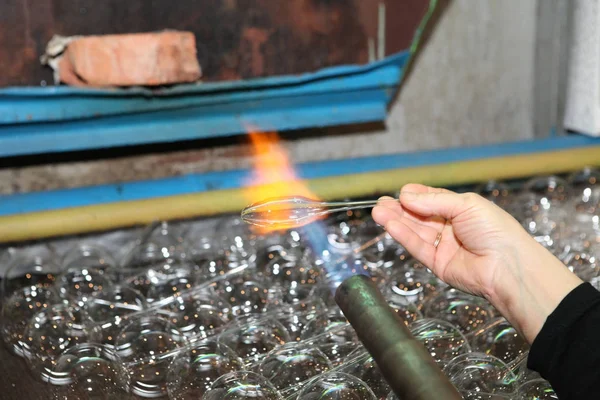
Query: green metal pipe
[[404, 362]]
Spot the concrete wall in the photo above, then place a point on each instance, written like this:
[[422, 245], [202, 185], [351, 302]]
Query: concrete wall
[[474, 84]]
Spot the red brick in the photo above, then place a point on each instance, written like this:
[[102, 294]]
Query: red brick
[[143, 59]]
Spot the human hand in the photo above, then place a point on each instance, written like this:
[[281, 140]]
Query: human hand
[[483, 250]]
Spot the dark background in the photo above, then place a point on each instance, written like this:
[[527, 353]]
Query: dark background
[[236, 39]]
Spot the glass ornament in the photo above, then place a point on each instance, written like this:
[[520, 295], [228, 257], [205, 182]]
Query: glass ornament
[[19, 308], [197, 315], [476, 372], [89, 256], [466, 312], [112, 309], [255, 337], [52, 331], [34, 272], [89, 372], [500, 340], [292, 365], [496, 192], [443, 340], [193, 371], [242, 385], [538, 389], [336, 386], [78, 286], [147, 344]]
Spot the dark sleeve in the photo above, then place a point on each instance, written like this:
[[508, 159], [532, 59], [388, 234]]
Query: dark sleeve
[[566, 352]]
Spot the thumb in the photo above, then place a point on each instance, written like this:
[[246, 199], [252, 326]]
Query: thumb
[[444, 204]]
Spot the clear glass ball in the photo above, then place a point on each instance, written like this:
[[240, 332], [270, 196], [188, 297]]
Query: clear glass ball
[[329, 322], [583, 264], [278, 252], [339, 269], [482, 373], [337, 343], [297, 294], [364, 367], [538, 389], [171, 288], [542, 207], [341, 237], [296, 317], [215, 266], [586, 209], [292, 365], [473, 395], [546, 224], [500, 340], [578, 241], [552, 188], [89, 371], [291, 273], [496, 192], [157, 277], [236, 240], [443, 340], [408, 312], [52, 331], [78, 286], [254, 338], [413, 283], [199, 243], [147, 344], [242, 385], [523, 373], [147, 336], [337, 353], [583, 182], [34, 272], [383, 257], [158, 243], [493, 190], [337, 386], [198, 315], [112, 308], [89, 256], [19, 308], [468, 313], [194, 370], [246, 296]]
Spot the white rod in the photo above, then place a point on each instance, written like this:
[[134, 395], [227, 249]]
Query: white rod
[[381, 32], [371, 46]]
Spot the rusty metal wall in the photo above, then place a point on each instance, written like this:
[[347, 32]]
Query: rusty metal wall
[[473, 85], [237, 39]]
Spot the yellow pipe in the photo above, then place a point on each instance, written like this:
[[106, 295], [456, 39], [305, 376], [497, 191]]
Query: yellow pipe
[[102, 217]]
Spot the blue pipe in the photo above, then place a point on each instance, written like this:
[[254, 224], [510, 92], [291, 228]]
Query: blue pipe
[[61, 119], [52, 200]]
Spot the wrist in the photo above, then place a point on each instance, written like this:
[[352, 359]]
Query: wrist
[[532, 286]]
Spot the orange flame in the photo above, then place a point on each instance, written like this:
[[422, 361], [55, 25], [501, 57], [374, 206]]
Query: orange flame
[[273, 174]]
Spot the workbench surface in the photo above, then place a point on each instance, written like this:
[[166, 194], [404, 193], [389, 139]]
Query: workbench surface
[[17, 383]]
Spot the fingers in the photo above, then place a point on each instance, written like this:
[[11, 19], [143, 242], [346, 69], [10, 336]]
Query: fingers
[[389, 208], [418, 188], [427, 230], [420, 249], [392, 204], [383, 215], [436, 202]]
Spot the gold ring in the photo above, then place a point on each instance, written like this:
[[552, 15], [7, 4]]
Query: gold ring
[[438, 239]]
